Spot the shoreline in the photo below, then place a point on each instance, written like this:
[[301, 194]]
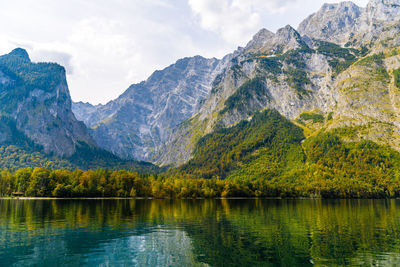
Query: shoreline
[[134, 198], [216, 198]]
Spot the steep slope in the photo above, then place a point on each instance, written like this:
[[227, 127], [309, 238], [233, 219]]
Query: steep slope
[[337, 72], [347, 87], [37, 126], [369, 108], [268, 156], [36, 97], [142, 118], [267, 135], [290, 74]]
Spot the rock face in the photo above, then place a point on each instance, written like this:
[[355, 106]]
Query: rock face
[[347, 24], [382, 10], [135, 124], [333, 22], [368, 108], [279, 71], [310, 71], [339, 65], [35, 97], [265, 41]]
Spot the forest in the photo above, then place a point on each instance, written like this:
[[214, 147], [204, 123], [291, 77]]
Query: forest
[[267, 156]]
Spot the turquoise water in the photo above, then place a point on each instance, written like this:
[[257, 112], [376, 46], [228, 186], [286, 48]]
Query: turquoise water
[[199, 232]]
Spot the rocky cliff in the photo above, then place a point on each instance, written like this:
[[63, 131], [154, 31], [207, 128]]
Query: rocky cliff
[[36, 98], [339, 71], [347, 24], [37, 125], [136, 124], [336, 73]]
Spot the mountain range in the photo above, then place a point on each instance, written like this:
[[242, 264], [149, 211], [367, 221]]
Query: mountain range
[[338, 66], [339, 72]]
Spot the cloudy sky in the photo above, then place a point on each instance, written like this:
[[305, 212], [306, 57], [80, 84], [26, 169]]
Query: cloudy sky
[[106, 45]]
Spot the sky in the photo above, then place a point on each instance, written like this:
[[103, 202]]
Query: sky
[[107, 45]]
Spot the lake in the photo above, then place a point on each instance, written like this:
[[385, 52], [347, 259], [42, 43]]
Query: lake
[[199, 232]]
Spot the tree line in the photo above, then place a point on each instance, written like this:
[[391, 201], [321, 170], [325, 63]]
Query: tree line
[[267, 156]]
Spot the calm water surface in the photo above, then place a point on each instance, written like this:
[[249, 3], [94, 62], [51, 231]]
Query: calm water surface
[[199, 232]]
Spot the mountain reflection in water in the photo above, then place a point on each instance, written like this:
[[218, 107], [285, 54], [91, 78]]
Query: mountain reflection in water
[[199, 232]]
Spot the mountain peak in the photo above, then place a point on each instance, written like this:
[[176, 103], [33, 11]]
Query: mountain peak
[[332, 22], [340, 5], [21, 53], [41, 104], [288, 32], [337, 22], [285, 39], [260, 39], [263, 33], [288, 38]]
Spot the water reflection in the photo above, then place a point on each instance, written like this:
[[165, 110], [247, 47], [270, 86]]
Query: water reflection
[[199, 232]]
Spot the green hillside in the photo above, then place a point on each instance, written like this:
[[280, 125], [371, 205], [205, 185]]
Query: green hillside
[[268, 135], [268, 152]]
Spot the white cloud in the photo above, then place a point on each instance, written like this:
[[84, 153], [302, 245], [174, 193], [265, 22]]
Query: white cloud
[[236, 20], [106, 45], [112, 54]]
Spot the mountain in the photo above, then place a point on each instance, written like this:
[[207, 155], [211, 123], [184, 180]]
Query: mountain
[[36, 97], [38, 127], [307, 112], [134, 125], [339, 72], [286, 73], [336, 73]]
